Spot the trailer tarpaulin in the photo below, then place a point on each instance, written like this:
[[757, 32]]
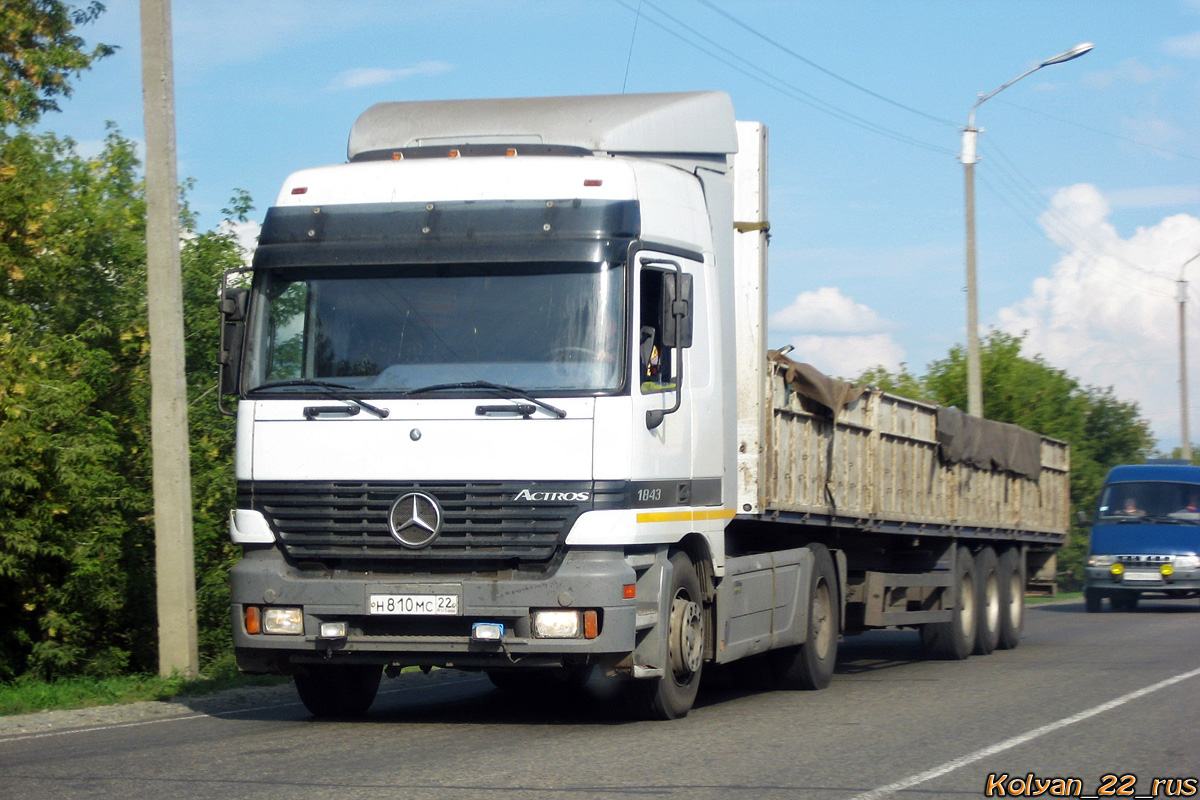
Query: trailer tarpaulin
[[988, 444]]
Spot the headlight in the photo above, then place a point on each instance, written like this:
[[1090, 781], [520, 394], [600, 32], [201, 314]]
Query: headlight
[[283, 620], [1101, 561], [1187, 562], [556, 624]]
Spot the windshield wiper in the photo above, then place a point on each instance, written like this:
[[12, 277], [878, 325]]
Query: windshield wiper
[[329, 389], [500, 389]]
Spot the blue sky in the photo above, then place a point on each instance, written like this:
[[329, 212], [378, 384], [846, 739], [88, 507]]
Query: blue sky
[[1088, 193]]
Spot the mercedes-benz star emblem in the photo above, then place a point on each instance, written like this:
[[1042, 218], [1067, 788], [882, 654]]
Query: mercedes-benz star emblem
[[415, 520]]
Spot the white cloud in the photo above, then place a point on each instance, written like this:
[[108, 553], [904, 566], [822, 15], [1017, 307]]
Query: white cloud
[[1107, 313], [380, 76], [1186, 46], [847, 356], [828, 311], [835, 334]]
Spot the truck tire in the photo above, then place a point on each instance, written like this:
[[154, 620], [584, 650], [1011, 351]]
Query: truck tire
[[954, 640], [987, 602], [810, 665], [672, 695], [1011, 574], [338, 690], [1093, 599]]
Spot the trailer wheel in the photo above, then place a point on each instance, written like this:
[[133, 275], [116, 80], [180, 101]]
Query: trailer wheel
[[1011, 574], [954, 640], [672, 695], [1093, 599], [988, 605], [810, 665], [338, 690]]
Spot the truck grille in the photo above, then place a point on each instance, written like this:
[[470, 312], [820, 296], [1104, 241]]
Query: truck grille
[[336, 522]]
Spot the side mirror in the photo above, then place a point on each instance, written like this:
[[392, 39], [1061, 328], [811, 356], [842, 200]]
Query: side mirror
[[233, 328], [675, 315]]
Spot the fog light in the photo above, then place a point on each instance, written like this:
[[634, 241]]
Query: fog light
[[487, 631], [333, 630], [283, 620], [1117, 569], [556, 624], [1167, 570]]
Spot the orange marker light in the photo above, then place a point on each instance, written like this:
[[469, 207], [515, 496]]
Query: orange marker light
[[454, 154], [253, 624], [591, 624], [629, 591], [510, 152], [397, 156]]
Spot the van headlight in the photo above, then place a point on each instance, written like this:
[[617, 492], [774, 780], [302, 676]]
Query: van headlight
[[1187, 562], [1101, 561]]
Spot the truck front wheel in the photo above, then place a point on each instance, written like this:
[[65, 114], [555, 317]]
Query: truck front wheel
[[672, 695], [338, 690]]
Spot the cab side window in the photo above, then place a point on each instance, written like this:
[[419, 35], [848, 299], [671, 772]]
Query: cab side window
[[656, 370]]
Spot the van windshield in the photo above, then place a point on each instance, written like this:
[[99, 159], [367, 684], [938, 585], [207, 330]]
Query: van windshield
[[540, 327], [1151, 500]]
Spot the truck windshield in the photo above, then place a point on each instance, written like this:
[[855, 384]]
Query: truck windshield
[[1136, 500], [540, 327]]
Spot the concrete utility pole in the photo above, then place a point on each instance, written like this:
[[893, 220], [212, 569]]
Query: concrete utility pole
[[1181, 286], [969, 158], [175, 563]]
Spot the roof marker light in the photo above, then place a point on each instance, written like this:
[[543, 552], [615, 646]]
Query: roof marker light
[[593, 182], [300, 190], [510, 152]]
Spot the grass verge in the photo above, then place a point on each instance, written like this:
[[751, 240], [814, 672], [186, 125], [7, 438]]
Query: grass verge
[[27, 694]]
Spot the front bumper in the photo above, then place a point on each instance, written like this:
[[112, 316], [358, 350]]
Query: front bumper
[[584, 580], [1182, 580]]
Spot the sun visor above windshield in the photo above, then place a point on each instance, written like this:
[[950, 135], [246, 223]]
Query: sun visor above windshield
[[465, 232]]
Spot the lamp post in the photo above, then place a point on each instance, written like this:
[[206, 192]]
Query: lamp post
[[968, 158], [1184, 435]]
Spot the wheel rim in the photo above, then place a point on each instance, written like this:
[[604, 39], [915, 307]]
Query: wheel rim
[[992, 600], [966, 614], [687, 638], [1016, 601], [822, 620]]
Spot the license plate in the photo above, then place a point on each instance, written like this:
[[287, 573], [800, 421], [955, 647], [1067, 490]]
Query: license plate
[[429, 605], [1153, 577]]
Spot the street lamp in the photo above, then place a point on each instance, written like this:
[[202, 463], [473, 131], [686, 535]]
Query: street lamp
[[1184, 436], [968, 157]]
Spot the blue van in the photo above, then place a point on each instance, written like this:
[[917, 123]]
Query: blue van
[[1146, 536]]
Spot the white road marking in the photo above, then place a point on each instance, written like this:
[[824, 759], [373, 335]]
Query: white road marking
[[887, 791]]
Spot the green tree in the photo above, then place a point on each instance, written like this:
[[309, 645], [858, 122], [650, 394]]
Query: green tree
[[39, 52], [76, 528]]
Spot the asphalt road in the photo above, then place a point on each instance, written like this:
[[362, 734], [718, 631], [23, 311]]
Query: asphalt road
[[1084, 696]]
